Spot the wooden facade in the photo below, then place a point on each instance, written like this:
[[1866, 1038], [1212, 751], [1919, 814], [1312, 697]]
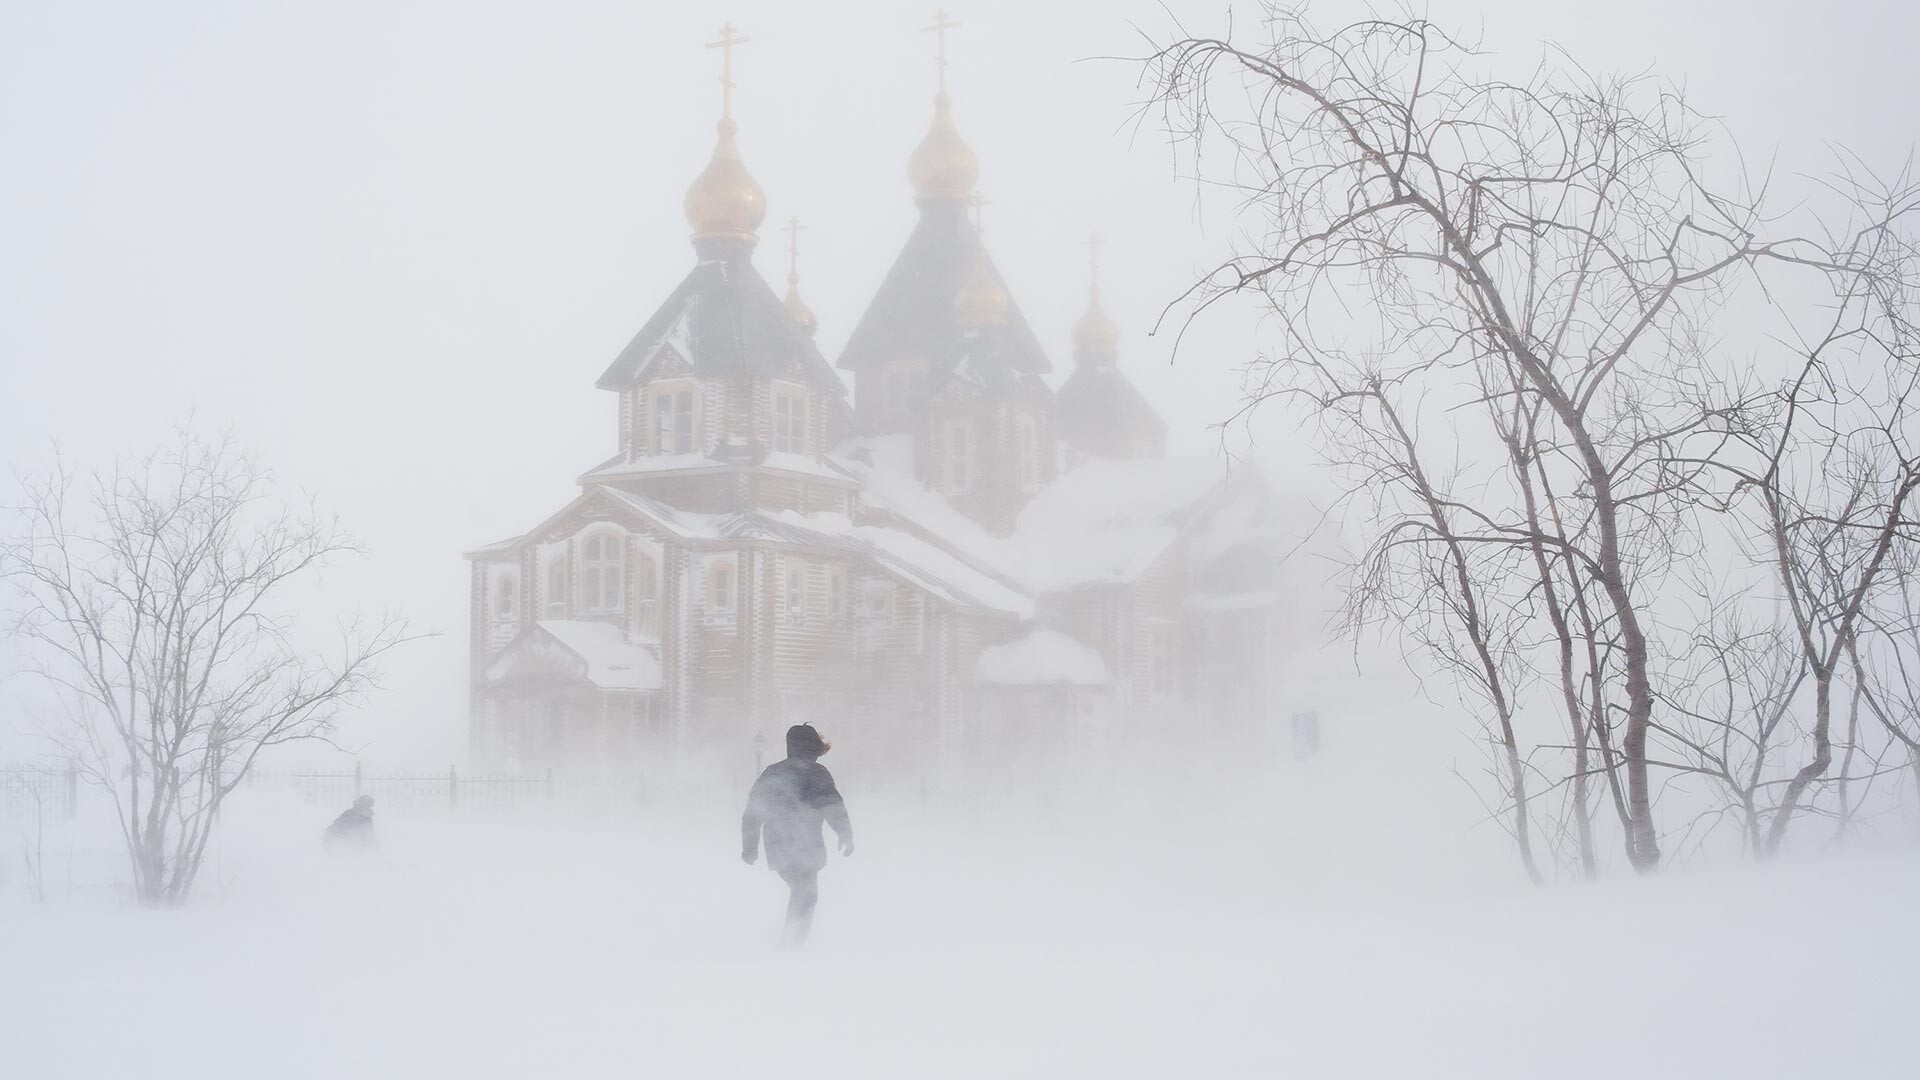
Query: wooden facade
[[726, 573]]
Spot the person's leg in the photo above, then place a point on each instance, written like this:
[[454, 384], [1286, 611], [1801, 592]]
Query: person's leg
[[803, 894]]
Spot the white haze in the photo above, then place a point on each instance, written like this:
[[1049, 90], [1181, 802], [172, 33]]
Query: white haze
[[392, 245]]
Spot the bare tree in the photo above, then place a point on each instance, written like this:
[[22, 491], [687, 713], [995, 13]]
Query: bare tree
[[1825, 469], [157, 594], [1549, 253]]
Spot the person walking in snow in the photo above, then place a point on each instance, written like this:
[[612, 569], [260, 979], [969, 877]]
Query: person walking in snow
[[354, 827], [789, 803]]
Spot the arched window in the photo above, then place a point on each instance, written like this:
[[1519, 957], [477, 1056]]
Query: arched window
[[646, 588], [506, 595], [557, 587], [602, 558]]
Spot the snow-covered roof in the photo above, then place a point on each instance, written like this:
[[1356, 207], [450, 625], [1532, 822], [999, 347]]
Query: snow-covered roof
[[1106, 522], [1042, 658], [626, 464], [613, 661], [924, 565], [1101, 523], [598, 652], [884, 465]]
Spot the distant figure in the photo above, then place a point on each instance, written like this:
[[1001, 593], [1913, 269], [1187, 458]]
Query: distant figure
[[354, 827], [788, 803]]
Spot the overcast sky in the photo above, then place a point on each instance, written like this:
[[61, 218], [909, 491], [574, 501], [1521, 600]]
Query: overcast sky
[[393, 244]]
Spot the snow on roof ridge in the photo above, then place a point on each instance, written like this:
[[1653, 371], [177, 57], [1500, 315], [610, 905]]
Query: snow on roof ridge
[[611, 660], [925, 565]]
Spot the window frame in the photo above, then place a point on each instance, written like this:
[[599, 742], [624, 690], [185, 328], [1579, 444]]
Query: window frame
[[719, 568], [506, 594], [796, 417], [793, 591], [595, 566], [958, 464], [836, 592], [682, 398], [646, 590]]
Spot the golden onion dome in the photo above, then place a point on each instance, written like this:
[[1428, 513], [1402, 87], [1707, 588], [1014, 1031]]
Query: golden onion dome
[[724, 201], [980, 300], [797, 308], [942, 166], [1096, 336]]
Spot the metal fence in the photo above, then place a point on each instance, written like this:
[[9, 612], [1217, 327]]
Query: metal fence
[[50, 793], [38, 792], [450, 788]]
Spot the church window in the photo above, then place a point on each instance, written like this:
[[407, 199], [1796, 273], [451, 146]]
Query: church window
[[720, 585], [790, 420], [796, 590], [673, 418], [959, 457], [836, 591], [557, 587], [601, 559], [506, 595], [646, 584]]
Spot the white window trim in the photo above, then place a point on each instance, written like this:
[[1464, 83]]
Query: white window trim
[[836, 592], [594, 598], [793, 590], [800, 406], [646, 620], [731, 565], [504, 603], [673, 387]]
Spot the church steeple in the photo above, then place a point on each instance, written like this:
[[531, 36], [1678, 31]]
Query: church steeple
[[1097, 412], [725, 203], [796, 307], [942, 166], [1096, 338]]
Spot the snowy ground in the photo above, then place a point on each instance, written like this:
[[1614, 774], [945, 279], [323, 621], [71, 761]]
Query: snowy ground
[[1200, 940]]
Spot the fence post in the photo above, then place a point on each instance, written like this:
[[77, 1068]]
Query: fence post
[[549, 783], [453, 787], [73, 792], [358, 778]]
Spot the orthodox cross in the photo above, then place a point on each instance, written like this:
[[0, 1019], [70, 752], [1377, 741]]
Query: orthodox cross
[[793, 249], [941, 24], [729, 37], [1093, 242], [979, 203]]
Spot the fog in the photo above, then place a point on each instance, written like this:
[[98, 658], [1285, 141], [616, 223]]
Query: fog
[[391, 248]]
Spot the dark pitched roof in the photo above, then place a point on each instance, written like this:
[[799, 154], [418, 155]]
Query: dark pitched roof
[[913, 315], [724, 320], [1097, 410]]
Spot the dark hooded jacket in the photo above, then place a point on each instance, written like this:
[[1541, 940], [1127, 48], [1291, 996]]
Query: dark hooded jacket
[[790, 802], [354, 827]]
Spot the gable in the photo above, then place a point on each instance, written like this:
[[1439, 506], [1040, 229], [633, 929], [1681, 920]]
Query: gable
[[912, 313], [723, 320]]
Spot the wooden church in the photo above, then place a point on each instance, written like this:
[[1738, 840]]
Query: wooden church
[[958, 555]]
